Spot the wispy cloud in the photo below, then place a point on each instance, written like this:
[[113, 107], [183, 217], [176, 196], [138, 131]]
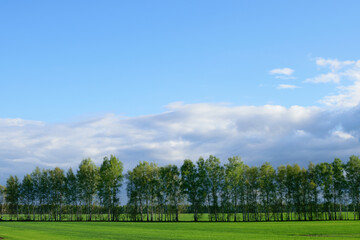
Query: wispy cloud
[[333, 64], [287, 86], [282, 71], [348, 95], [325, 78]]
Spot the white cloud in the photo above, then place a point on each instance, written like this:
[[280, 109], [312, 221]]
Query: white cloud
[[257, 133], [287, 86], [342, 135], [282, 71], [349, 96], [340, 72], [333, 64], [325, 78]]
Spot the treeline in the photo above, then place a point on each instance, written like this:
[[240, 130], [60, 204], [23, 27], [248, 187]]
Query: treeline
[[232, 191], [48, 194]]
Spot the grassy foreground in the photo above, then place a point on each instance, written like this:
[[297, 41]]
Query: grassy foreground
[[122, 230]]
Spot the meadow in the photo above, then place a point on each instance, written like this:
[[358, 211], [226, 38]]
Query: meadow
[[183, 230]]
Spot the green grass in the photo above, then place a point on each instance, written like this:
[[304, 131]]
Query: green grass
[[123, 230]]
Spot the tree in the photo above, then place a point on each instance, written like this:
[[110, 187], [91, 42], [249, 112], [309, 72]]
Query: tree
[[133, 192], [111, 178], [88, 177], [204, 181], [296, 186], [2, 201], [339, 186], [12, 194], [252, 191], [170, 177], [71, 192], [152, 176], [27, 195], [234, 184], [215, 173], [267, 188], [142, 185], [192, 186], [290, 189], [304, 194], [36, 179], [326, 179], [45, 193], [57, 183], [281, 189], [314, 183], [352, 169]]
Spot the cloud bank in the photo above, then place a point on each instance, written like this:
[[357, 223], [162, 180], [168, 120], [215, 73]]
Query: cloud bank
[[267, 133]]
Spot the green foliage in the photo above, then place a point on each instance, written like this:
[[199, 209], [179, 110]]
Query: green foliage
[[12, 194], [191, 185], [221, 192], [110, 181], [88, 177]]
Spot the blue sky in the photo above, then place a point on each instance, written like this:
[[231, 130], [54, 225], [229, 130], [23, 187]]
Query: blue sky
[[168, 80], [69, 59]]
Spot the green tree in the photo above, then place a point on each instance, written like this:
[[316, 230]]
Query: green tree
[[192, 186], [142, 186], [170, 177], [296, 189], [314, 183], [252, 191], [290, 191], [12, 195], [234, 184], [152, 176], [281, 189], [133, 191], [304, 194], [57, 183], [352, 169], [339, 186], [326, 179], [111, 178], [88, 177], [27, 195], [36, 179], [267, 188], [204, 182], [45, 194], [2, 201], [71, 192], [215, 174]]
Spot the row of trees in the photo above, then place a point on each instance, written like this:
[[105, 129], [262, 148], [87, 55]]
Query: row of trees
[[232, 191], [47, 192], [235, 191]]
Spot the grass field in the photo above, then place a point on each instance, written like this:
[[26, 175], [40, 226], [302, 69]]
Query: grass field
[[104, 230]]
